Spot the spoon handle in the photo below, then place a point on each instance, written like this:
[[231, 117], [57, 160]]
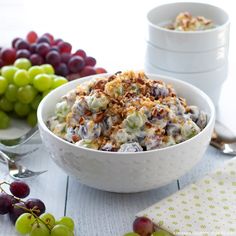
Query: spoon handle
[[224, 133]]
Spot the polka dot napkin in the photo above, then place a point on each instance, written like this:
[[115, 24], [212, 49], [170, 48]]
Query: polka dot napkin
[[206, 208]]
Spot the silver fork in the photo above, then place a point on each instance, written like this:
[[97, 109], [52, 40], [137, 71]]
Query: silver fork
[[12, 143], [17, 171]]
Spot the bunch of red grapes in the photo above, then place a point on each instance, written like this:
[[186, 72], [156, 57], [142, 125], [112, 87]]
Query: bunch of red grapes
[[58, 53]]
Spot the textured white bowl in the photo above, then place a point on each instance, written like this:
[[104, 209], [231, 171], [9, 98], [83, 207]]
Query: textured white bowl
[[178, 41], [127, 172], [210, 82], [186, 62]]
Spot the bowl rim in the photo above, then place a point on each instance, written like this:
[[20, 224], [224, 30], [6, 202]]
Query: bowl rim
[[43, 125], [217, 28]]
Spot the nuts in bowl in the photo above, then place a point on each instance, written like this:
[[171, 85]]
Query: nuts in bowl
[[118, 167], [125, 112]]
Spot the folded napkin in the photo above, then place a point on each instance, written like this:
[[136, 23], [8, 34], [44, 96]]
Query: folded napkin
[[205, 208]]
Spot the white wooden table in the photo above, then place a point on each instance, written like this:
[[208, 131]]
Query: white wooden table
[[113, 32]]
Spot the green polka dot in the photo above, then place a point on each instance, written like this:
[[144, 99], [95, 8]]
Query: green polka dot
[[176, 231], [187, 217], [234, 183], [197, 205], [184, 202], [201, 218], [160, 223], [206, 181], [173, 216], [218, 172], [214, 214], [194, 188], [196, 197], [157, 207], [182, 194], [234, 192], [232, 172], [174, 223], [224, 200], [171, 208], [169, 200], [211, 206], [159, 214], [226, 207], [209, 190], [188, 225], [199, 212], [205, 235], [222, 192], [232, 230], [221, 183], [185, 209], [202, 226], [210, 198], [227, 215]]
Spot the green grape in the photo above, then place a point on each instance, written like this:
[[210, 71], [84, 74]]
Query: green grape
[[160, 233], [61, 230], [35, 103], [11, 93], [3, 85], [39, 229], [5, 105], [131, 234], [42, 82], [48, 69], [21, 109], [4, 120], [8, 72], [67, 221], [45, 93], [21, 78], [58, 81], [24, 223], [33, 71], [22, 63], [26, 94], [32, 119], [48, 219]]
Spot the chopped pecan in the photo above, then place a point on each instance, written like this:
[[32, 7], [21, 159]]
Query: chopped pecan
[[99, 117], [81, 120], [75, 138], [87, 113]]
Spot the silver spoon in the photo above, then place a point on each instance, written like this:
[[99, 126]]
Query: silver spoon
[[224, 139]]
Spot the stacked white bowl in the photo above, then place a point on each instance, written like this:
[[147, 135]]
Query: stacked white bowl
[[197, 57]]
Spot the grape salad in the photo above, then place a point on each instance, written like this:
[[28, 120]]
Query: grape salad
[[125, 112]]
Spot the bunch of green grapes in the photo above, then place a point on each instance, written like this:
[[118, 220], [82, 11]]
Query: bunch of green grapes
[[22, 87]]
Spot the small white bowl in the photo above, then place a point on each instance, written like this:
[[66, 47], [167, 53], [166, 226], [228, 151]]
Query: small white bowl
[[186, 62], [210, 82], [127, 172], [194, 41]]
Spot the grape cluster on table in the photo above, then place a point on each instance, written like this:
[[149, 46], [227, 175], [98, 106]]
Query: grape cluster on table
[[22, 87], [29, 216], [47, 50]]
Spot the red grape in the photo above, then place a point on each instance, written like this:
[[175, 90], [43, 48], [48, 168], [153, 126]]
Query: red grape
[[5, 203], [62, 69], [50, 37], [14, 42], [44, 39], [76, 64], [1, 63], [42, 49], [36, 204], [88, 70], [74, 76], [33, 47], [100, 70], [36, 59], [65, 57], [19, 189], [143, 226], [32, 37], [57, 41], [8, 55], [53, 58], [23, 53], [16, 211], [90, 61], [54, 48], [64, 47], [22, 44], [81, 53]]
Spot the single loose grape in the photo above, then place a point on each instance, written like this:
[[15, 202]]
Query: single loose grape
[[19, 189], [4, 120], [5, 203], [48, 219], [6, 105], [48, 69], [8, 72], [11, 92], [32, 119], [22, 63], [61, 230], [58, 81], [21, 109], [143, 226], [21, 77], [3, 85], [42, 82], [33, 71], [26, 94], [39, 229], [67, 221], [24, 223]]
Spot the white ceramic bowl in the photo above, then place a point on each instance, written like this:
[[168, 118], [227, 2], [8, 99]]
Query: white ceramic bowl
[[186, 62], [127, 172], [210, 82], [178, 41]]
